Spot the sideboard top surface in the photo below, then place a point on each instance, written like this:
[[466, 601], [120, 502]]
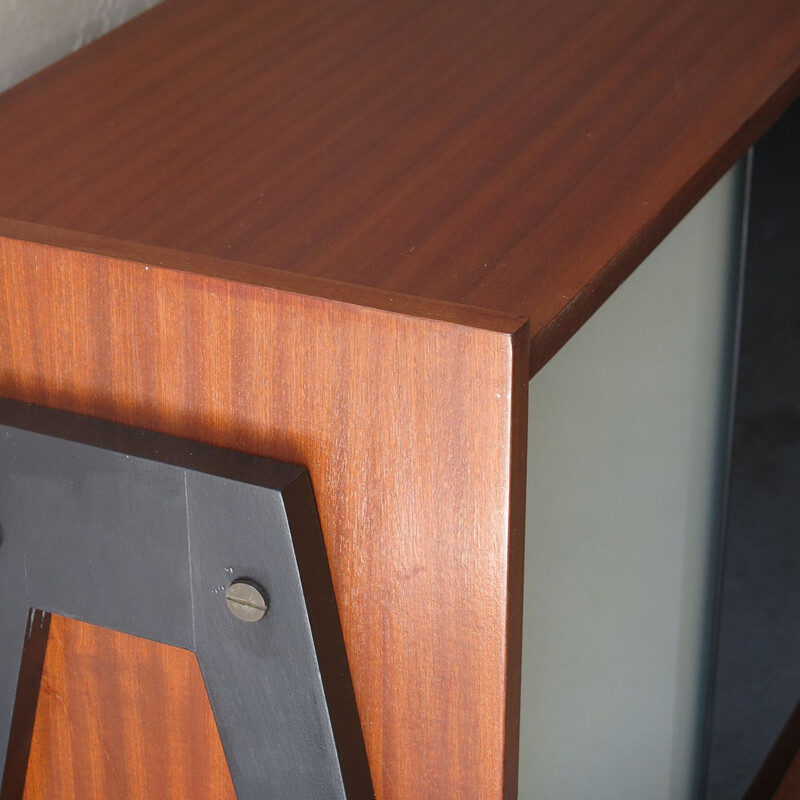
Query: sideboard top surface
[[515, 156]]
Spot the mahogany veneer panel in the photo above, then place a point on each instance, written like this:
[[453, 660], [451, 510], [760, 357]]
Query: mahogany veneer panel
[[122, 717], [413, 431], [518, 155]]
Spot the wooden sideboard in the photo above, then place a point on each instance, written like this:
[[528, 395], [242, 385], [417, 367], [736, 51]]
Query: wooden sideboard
[[345, 235]]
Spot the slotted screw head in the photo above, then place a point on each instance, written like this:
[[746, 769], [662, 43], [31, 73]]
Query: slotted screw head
[[247, 600]]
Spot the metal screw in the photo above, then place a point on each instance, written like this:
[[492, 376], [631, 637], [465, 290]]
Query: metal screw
[[247, 600]]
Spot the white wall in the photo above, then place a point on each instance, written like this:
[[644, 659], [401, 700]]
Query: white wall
[[623, 479], [34, 33]]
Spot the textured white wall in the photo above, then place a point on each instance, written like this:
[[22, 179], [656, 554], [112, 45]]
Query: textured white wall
[[626, 430], [34, 33]]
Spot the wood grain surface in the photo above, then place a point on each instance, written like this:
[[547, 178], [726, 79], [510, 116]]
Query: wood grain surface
[[122, 717], [519, 155], [413, 431]]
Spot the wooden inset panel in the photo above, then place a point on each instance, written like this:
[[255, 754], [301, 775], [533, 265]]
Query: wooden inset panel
[[412, 429], [122, 717]]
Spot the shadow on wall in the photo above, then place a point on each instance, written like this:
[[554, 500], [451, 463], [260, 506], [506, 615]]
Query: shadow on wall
[[758, 664]]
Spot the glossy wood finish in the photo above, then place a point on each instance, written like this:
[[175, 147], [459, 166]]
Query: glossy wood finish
[[123, 717], [517, 156], [315, 231], [413, 431]]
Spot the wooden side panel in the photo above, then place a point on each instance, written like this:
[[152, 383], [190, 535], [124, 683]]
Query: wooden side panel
[[413, 431], [124, 717]]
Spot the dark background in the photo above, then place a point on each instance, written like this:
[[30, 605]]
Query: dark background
[[757, 671]]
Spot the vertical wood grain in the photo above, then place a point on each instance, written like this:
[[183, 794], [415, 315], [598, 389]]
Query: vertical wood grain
[[122, 717], [413, 433]]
